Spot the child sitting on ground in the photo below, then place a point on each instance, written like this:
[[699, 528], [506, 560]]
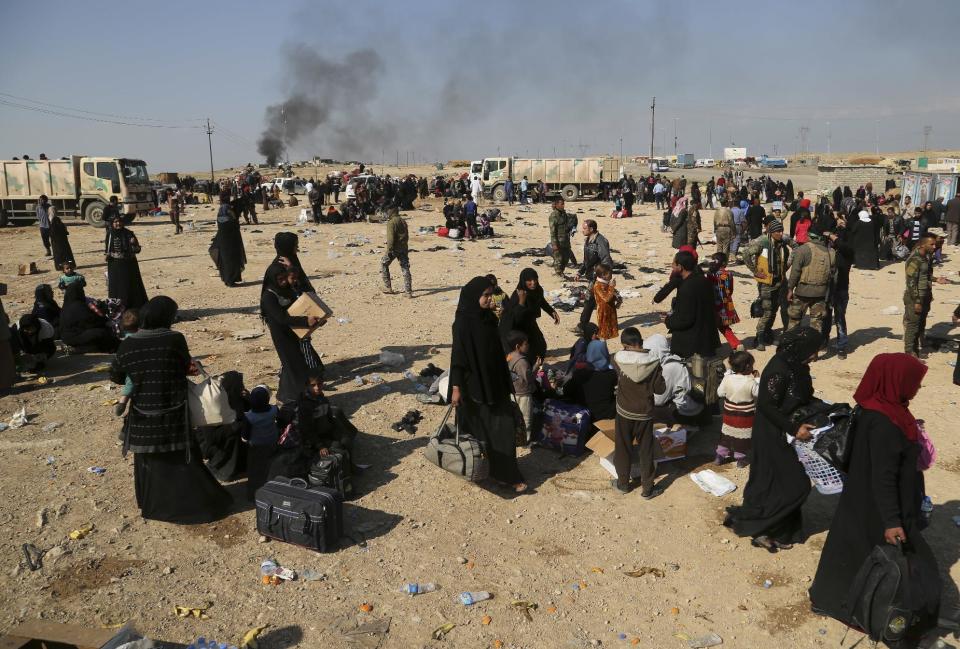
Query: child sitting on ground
[[260, 431], [723, 304], [324, 429], [739, 389], [639, 378], [608, 301], [70, 276], [523, 375], [129, 324]]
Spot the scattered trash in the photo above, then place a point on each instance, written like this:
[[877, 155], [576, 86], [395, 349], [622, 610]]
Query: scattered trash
[[486, 620], [645, 570], [418, 589], [674, 611], [525, 607], [270, 568], [49, 428], [33, 555], [892, 310], [365, 607], [442, 630], [409, 422], [82, 532], [469, 599], [247, 334], [343, 321], [767, 583], [375, 378], [50, 460], [250, 637], [392, 359], [199, 612], [358, 381], [368, 635], [19, 418], [312, 575], [97, 470], [952, 363], [4, 426], [712, 483], [709, 640]]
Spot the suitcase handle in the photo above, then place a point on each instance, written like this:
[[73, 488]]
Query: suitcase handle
[[298, 482]]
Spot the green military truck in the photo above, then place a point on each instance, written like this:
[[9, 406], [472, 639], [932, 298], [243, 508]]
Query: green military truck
[[569, 178], [78, 186]]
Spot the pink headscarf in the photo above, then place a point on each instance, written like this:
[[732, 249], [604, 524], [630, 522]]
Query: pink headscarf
[[680, 206]]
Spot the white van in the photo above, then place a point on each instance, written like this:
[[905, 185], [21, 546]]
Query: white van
[[705, 162]]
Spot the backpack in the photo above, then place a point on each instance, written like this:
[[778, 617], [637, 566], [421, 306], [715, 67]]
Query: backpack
[[879, 595], [332, 471]]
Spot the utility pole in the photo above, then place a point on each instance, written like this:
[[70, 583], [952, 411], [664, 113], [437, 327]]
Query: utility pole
[[926, 136], [675, 136], [876, 134], [653, 120], [283, 118], [804, 131], [210, 145], [621, 150], [711, 143], [829, 133]]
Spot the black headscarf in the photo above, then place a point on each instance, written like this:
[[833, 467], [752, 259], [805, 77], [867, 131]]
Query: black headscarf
[[534, 296], [799, 344], [158, 313], [44, 305], [74, 293], [285, 243], [477, 348]]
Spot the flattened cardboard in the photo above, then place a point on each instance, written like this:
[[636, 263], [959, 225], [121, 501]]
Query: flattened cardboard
[[309, 304]]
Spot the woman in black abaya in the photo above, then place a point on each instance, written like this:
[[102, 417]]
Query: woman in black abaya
[[171, 481], [287, 246], [59, 241], [124, 282], [82, 327], [881, 495], [863, 233], [480, 382], [778, 485], [297, 356], [521, 312], [231, 257]]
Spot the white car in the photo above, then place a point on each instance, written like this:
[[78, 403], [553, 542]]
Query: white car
[[289, 185], [351, 190]]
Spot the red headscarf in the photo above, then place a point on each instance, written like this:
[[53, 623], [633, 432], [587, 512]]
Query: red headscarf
[[889, 384], [691, 250]]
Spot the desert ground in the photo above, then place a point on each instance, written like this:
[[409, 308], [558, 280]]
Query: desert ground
[[564, 547]]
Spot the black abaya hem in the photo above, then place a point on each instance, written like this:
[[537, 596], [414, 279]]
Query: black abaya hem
[[493, 425], [125, 283], [172, 490]]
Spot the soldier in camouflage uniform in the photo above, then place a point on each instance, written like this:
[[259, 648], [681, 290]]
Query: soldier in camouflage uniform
[[398, 245], [917, 296], [771, 281], [812, 268], [559, 237]]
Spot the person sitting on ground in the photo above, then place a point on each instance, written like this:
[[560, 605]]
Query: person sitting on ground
[[739, 389], [675, 404], [323, 428], [129, 324], [639, 378], [333, 216], [524, 376], [82, 326], [70, 275], [32, 340], [594, 387], [578, 353], [45, 306], [260, 431]]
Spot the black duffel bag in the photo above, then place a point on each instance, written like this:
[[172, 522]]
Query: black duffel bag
[[290, 511]]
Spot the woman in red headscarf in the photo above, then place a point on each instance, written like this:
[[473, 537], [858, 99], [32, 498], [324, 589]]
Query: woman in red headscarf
[[881, 495]]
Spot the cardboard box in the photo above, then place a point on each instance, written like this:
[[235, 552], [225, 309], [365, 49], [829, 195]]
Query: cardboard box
[[27, 269], [672, 445], [309, 304], [39, 635]]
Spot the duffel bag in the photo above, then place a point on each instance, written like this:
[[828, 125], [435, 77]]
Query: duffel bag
[[208, 402], [459, 453], [290, 511], [333, 471]]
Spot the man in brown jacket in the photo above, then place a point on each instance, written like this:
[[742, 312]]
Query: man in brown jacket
[[723, 227]]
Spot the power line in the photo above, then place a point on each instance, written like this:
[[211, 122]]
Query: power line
[[95, 113], [46, 111]]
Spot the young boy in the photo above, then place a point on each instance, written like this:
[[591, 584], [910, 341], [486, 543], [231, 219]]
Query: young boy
[[70, 275], [639, 378], [129, 323], [261, 432], [524, 376], [322, 428]]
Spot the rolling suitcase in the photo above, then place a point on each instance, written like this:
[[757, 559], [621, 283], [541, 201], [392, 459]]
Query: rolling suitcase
[[459, 453], [290, 511], [566, 427]]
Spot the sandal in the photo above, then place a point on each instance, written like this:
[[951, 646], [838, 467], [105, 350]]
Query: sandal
[[519, 488], [783, 546], [764, 542]]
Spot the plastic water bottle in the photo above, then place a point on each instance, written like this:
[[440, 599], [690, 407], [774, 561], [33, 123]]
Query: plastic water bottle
[[469, 599], [268, 567], [202, 643], [409, 376], [418, 589]]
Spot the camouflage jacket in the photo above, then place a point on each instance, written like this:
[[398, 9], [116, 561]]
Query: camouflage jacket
[[559, 228], [917, 271]]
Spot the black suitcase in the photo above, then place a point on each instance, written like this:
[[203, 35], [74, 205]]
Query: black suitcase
[[290, 511]]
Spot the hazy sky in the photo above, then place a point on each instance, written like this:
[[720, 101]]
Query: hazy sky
[[461, 80]]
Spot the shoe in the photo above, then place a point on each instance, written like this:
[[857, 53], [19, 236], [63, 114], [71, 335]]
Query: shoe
[[743, 463], [764, 542], [759, 346], [720, 460], [783, 546], [616, 485], [653, 493], [841, 354]]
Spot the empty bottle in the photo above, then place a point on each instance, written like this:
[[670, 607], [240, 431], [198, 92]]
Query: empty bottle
[[469, 599], [202, 643], [418, 589], [268, 567]]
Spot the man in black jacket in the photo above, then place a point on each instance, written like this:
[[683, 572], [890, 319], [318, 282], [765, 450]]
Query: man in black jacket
[[692, 324], [755, 218], [596, 250]]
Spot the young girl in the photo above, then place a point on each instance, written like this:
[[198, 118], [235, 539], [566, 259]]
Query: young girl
[[722, 282], [260, 432], [129, 324], [608, 301], [70, 275], [498, 295], [739, 389]]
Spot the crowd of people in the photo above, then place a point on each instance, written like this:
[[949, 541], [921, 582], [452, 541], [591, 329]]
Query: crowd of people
[[498, 376]]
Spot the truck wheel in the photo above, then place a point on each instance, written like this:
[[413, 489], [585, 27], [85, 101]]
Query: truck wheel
[[569, 192], [93, 213], [4, 219], [499, 193]]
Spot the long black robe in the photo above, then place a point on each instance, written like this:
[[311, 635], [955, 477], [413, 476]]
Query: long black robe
[[285, 243], [883, 490], [81, 328], [479, 369], [523, 317], [788, 192], [778, 485], [294, 367], [755, 216], [837, 198], [231, 257], [864, 236], [60, 243], [123, 273]]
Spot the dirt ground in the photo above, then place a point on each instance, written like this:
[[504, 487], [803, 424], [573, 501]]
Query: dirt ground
[[564, 547]]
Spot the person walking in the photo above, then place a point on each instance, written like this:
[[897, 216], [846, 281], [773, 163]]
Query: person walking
[[124, 281], [596, 250], [767, 257], [917, 294], [692, 322], [524, 188], [559, 236], [723, 227], [508, 190], [952, 219], [176, 201], [231, 257], [811, 272], [659, 194], [398, 247], [43, 222]]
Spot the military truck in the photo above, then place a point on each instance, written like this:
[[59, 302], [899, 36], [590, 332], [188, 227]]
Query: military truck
[[78, 186], [569, 177]]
